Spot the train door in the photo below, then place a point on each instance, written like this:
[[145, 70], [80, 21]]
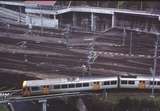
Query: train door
[[26, 91], [45, 89], [96, 86], [141, 84]]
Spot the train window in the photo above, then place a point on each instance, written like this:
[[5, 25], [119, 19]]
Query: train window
[[78, 85], [106, 83], [56, 86], [131, 82], [151, 83], [35, 88], [158, 83], [113, 82], [64, 86], [71, 85], [85, 84], [123, 82]]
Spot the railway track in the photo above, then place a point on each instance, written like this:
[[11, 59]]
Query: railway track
[[67, 58], [49, 63]]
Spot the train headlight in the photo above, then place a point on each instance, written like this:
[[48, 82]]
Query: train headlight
[[24, 83]]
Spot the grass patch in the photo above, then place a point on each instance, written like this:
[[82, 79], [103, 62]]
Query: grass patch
[[3, 108]]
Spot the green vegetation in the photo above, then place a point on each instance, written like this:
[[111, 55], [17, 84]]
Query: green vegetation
[[3, 108], [124, 103], [128, 104]]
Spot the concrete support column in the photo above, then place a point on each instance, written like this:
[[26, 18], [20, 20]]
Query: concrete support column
[[44, 104], [113, 20], [11, 106], [74, 19], [41, 16], [93, 22], [81, 105], [19, 17], [60, 21]]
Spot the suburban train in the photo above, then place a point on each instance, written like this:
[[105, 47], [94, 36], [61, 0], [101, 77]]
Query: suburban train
[[88, 84]]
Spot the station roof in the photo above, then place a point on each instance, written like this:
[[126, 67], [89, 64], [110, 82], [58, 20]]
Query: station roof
[[44, 3], [30, 3]]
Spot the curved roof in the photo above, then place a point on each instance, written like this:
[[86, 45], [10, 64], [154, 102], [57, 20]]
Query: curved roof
[[65, 81]]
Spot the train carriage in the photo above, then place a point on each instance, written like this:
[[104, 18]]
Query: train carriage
[[139, 82], [88, 84], [91, 84]]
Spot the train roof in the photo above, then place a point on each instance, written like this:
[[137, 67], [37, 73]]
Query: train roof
[[157, 78], [65, 80]]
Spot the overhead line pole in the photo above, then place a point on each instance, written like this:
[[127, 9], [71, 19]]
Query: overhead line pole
[[155, 65], [124, 36], [130, 47]]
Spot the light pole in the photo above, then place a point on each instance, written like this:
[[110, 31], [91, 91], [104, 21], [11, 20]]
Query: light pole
[[141, 5], [155, 64], [92, 56], [67, 34], [124, 36], [130, 47], [41, 20]]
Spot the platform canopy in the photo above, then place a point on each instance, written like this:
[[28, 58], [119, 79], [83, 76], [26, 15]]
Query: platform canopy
[[30, 3], [41, 2]]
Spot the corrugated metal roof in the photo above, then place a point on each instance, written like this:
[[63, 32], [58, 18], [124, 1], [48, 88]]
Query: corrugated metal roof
[[44, 3]]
